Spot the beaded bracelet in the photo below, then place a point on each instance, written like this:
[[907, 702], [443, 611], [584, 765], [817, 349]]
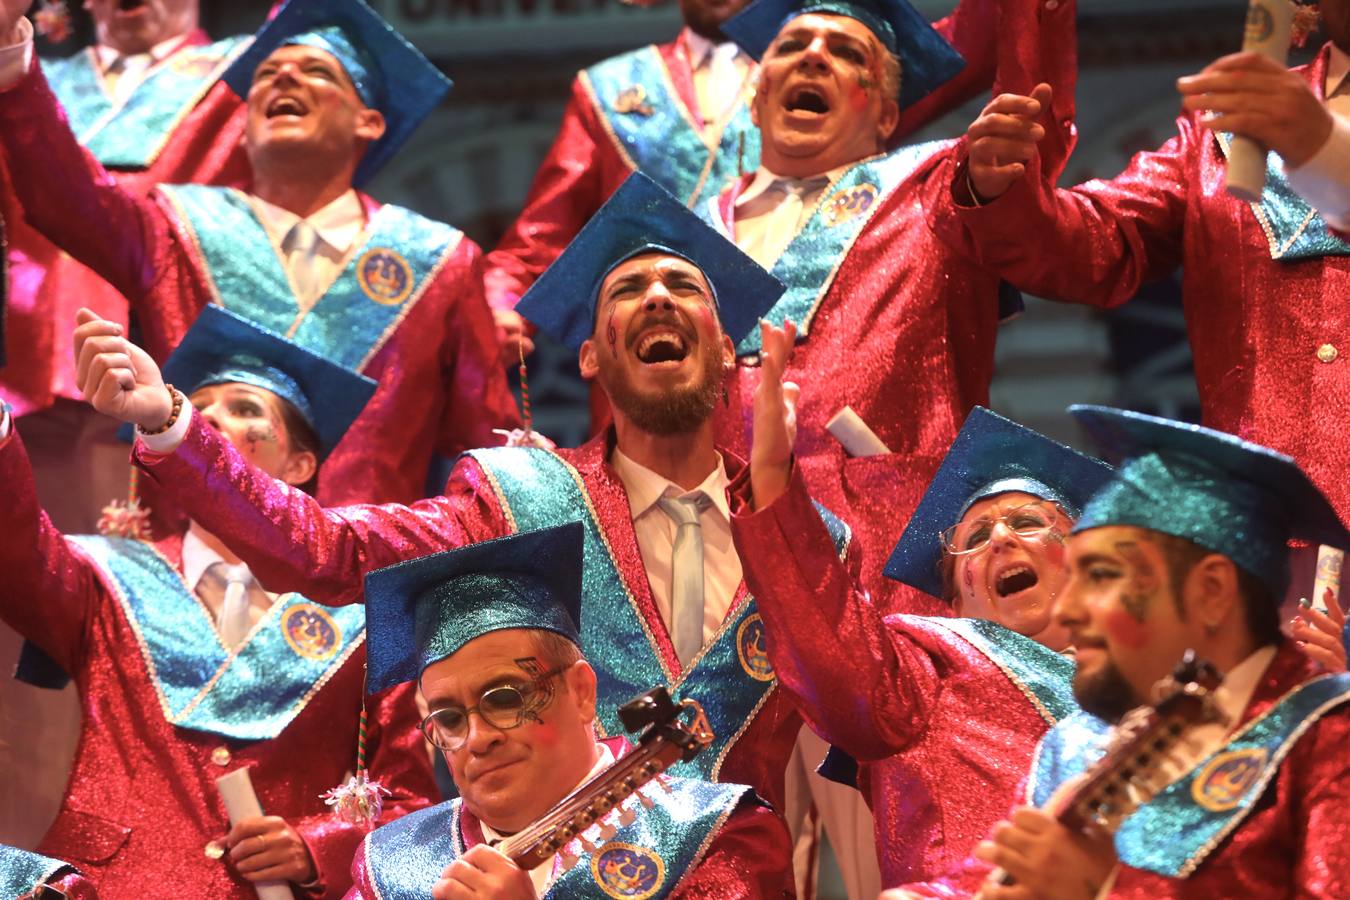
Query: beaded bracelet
[[173, 415]]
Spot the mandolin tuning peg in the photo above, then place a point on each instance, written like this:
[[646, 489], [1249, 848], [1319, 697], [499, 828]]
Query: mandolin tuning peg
[[567, 860], [607, 831], [646, 801], [665, 784], [587, 844], [627, 817]]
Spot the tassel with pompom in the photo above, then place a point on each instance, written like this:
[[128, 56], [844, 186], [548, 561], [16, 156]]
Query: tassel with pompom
[[52, 20], [358, 801], [1307, 19], [527, 436], [126, 518]]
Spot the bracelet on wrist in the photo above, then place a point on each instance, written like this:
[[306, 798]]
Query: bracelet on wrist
[[173, 414]]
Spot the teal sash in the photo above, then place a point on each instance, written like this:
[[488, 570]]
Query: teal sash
[[731, 677], [385, 276], [634, 97], [21, 872], [1044, 676], [812, 259], [131, 134], [648, 858], [1175, 831], [1293, 228], [249, 694]]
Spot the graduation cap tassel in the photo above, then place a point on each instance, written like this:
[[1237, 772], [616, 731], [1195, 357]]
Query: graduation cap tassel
[[525, 392], [359, 801], [52, 20], [1307, 19], [126, 518]]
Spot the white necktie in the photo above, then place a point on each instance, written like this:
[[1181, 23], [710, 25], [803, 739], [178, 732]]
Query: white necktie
[[786, 218], [301, 246], [686, 595], [126, 73], [717, 81], [232, 620]]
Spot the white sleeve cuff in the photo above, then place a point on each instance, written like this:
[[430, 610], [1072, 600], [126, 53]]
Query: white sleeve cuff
[[16, 58], [166, 442], [5, 419], [1324, 180]]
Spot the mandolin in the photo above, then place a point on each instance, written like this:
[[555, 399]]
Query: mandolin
[[664, 741], [1131, 772]]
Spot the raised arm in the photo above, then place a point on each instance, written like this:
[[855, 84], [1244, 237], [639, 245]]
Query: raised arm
[[70, 198], [289, 541], [49, 590]]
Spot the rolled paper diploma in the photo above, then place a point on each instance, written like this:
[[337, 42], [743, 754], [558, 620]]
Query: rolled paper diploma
[[1268, 26], [850, 430], [236, 792], [1328, 575]]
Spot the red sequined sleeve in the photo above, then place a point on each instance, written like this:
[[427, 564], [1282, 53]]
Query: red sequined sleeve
[[48, 590], [398, 760], [71, 199], [291, 542], [478, 398], [569, 186], [861, 686], [750, 859]]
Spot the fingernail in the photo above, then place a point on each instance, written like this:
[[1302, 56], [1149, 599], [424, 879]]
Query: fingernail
[[1303, 602]]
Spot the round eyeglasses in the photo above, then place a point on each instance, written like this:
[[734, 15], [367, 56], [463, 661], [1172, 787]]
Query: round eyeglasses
[[1030, 520], [503, 707]]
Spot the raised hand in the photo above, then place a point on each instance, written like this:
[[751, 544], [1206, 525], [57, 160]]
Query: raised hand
[[1002, 141], [1320, 634], [1256, 97], [513, 337], [483, 874], [775, 423], [267, 848], [118, 378]]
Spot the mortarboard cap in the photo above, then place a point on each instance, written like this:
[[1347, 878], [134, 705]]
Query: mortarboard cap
[[422, 611], [926, 59], [640, 217], [389, 73], [991, 455], [223, 347], [1216, 490]]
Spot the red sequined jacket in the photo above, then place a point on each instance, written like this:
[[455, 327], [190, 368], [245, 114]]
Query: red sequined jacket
[[142, 803]]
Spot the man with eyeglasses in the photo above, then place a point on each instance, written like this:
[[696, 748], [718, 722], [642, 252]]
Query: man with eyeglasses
[[939, 714], [489, 633]]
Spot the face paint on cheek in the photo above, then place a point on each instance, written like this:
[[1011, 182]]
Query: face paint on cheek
[[861, 94], [1144, 581], [612, 335], [1126, 629], [259, 434]]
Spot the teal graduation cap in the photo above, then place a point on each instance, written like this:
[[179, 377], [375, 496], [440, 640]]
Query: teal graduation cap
[[223, 347], [1216, 490], [421, 611], [642, 217], [991, 455], [927, 61], [389, 73]]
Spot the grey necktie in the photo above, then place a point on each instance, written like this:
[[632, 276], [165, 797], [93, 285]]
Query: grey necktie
[[787, 215], [686, 594], [233, 588]]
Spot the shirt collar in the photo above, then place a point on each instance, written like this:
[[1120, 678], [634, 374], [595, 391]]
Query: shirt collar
[[161, 51], [197, 558], [700, 49], [1338, 66], [645, 487], [764, 178], [337, 224], [1235, 693]]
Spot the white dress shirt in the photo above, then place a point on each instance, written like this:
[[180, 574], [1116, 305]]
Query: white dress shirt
[[197, 558], [720, 72], [543, 874], [656, 538], [1324, 180], [339, 226], [759, 227], [16, 58]]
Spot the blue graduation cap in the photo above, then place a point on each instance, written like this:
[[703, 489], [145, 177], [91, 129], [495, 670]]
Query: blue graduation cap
[[1216, 490], [389, 73], [991, 455], [223, 347], [642, 217], [926, 59], [421, 611]]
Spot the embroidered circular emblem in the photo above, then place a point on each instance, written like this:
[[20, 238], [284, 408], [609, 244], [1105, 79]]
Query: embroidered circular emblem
[[750, 648], [627, 871], [385, 276], [1260, 24], [311, 631], [632, 100], [1226, 778], [848, 203]]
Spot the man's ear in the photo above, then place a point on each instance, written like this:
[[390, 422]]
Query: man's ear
[[1210, 592], [300, 467], [581, 682], [586, 360], [370, 124], [728, 353], [890, 117]]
